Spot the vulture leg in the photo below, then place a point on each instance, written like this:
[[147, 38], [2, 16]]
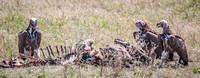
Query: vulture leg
[[163, 58], [153, 38], [153, 56], [36, 53], [26, 52], [176, 59]]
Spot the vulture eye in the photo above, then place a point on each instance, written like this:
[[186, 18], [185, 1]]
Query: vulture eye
[[32, 23], [158, 24]]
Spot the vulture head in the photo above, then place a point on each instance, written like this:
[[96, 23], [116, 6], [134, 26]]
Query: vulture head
[[32, 28], [140, 24], [33, 23], [163, 24]]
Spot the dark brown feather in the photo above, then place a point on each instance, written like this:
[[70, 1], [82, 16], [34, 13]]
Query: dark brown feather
[[24, 42], [174, 44], [178, 45]]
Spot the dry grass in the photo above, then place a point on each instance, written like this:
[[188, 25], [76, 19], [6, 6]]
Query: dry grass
[[101, 20]]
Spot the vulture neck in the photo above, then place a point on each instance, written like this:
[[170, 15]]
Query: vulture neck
[[167, 31], [31, 32]]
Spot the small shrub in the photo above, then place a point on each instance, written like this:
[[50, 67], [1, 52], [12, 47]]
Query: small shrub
[[82, 65], [20, 76], [196, 70], [42, 76], [150, 74], [3, 76]]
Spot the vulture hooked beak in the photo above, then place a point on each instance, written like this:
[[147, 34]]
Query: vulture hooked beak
[[33, 22], [158, 25], [140, 26]]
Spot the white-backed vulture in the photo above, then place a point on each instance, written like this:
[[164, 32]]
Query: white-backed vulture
[[173, 44], [29, 39]]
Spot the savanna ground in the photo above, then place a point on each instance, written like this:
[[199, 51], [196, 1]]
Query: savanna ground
[[64, 22]]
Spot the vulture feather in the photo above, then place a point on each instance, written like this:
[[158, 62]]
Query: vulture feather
[[148, 40], [173, 44], [29, 40]]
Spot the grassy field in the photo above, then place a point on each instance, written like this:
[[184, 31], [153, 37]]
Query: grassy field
[[64, 22]]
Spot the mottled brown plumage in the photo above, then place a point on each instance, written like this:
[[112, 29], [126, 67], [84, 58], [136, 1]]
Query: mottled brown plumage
[[148, 40], [29, 40], [172, 44], [27, 44]]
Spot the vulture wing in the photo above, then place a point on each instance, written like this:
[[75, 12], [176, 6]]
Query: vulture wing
[[22, 37], [179, 46], [155, 41], [39, 36], [152, 37]]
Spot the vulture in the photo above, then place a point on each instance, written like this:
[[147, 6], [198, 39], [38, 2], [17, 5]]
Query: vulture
[[148, 40], [173, 44], [29, 40]]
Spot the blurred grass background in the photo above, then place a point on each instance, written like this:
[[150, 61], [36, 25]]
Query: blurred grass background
[[67, 21]]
